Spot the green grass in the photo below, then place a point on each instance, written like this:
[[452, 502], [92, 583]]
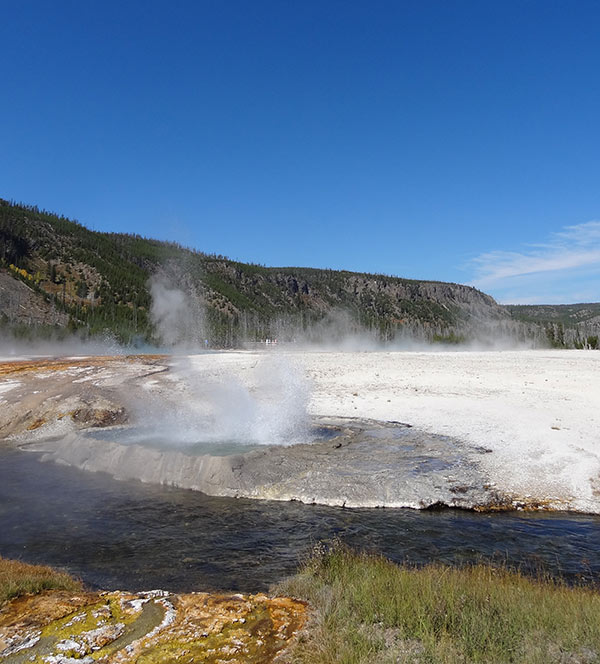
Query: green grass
[[367, 609], [17, 578]]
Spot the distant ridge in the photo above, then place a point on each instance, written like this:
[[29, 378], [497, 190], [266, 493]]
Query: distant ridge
[[86, 281], [566, 324]]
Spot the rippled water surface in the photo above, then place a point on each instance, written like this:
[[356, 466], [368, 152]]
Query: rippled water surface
[[134, 536]]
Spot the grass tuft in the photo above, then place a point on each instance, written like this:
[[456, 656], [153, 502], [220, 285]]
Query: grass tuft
[[17, 578], [367, 609]]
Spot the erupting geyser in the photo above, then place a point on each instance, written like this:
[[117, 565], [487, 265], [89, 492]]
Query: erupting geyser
[[267, 404]]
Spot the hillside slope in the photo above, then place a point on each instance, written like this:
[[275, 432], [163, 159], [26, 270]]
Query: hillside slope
[[97, 281], [568, 314], [565, 324]]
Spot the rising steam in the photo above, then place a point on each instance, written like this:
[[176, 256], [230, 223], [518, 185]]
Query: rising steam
[[176, 312], [265, 404]]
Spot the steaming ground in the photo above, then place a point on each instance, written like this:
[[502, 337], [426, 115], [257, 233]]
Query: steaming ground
[[537, 411], [523, 424]]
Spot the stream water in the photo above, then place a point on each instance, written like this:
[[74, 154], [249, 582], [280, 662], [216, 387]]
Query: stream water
[[135, 536]]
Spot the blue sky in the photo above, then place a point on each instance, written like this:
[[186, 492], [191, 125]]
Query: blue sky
[[455, 141]]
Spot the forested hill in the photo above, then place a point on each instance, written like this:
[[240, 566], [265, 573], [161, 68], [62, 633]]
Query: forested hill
[[563, 322], [72, 277]]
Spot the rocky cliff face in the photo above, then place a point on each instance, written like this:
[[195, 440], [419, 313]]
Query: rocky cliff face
[[21, 305], [372, 300]]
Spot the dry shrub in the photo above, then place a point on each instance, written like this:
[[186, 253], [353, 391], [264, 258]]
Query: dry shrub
[[18, 578]]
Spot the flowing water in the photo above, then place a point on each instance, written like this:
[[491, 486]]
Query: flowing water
[[135, 536]]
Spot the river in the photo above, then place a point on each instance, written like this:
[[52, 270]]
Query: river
[[129, 535]]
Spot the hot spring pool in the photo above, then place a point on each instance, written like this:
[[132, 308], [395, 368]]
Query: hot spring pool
[[159, 440]]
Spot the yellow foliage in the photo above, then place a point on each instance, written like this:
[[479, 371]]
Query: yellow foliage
[[21, 271]]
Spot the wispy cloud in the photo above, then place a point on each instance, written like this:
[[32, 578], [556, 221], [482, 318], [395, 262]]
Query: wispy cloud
[[564, 268]]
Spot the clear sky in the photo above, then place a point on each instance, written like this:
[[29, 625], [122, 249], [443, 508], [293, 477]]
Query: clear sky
[[454, 140]]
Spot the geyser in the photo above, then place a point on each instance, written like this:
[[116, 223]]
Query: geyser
[[265, 405]]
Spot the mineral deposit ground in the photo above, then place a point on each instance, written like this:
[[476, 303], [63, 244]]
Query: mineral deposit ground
[[485, 431], [56, 408], [495, 430], [64, 627]]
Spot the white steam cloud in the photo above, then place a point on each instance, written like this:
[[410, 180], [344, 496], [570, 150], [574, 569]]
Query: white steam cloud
[[178, 315], [266, 403]]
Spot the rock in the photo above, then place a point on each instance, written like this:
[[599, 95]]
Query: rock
[[99, 415]]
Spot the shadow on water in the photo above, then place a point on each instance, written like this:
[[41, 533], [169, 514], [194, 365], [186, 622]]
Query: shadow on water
[[133, 536]]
